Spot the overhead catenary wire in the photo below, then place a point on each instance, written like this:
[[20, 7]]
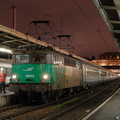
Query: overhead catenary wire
[[47, 15], [8, 2], [37, 12], [1, 10], [91, 23], [54, 29], [84, 14], [104, 40], [29, 13]]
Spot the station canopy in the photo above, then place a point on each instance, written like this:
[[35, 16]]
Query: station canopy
[[12, 39], [110, 11]]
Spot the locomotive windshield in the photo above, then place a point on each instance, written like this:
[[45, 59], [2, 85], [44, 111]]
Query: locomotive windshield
[[22, 58], [38, 58]]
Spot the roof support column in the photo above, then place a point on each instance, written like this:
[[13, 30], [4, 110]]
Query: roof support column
[[14, 17]]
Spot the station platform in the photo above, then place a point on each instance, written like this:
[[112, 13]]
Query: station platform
[[7, 93], [6, 98], [109, 110]]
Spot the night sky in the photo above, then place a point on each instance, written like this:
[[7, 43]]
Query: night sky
[[78, 18]]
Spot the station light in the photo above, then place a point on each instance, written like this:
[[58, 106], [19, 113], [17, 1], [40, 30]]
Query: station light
[[1, 69], [5, 50], [103, 64]]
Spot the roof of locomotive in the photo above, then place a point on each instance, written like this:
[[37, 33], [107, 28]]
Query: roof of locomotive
[[31, 51], [36, 51]]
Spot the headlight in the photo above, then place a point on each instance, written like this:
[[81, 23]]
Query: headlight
[[45, 76], [14, 76]]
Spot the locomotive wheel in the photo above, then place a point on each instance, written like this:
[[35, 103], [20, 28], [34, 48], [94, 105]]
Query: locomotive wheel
[[58, 94], [74, 91], [45, 98], [56, 97]]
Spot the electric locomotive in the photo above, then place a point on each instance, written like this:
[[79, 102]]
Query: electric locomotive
[[46, 74]]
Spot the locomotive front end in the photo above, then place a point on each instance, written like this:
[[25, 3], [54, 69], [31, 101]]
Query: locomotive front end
[[30, 73]]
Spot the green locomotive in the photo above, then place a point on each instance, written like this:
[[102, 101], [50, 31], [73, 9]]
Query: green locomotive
[[45, 72]]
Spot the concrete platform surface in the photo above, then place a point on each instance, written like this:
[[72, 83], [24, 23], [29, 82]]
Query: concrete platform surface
[[109, 110], [6, 98], [7, 93]]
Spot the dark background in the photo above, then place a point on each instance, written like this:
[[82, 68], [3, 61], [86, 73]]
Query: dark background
[[78, 18]]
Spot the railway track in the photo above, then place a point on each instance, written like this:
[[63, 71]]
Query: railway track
[[55, 110], [80, 109]]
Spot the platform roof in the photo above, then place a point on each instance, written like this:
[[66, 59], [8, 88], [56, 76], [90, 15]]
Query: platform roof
[[13, 40], [110, 11]]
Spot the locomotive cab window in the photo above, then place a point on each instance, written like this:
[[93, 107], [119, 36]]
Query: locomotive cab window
[[38, 58], [22, 58]]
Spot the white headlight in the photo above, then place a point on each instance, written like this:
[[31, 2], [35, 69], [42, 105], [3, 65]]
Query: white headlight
[[14, 76], [45, 76]]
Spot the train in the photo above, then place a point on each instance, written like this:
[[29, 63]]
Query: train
[[6, 67], [49, 74]]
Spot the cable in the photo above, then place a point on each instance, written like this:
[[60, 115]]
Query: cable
[[5, 9], [8, 2], [84, 14], [104, 40], [37, 12], [90, 22], [27, 13]]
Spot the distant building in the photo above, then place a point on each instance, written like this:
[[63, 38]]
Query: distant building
[[109, 60]]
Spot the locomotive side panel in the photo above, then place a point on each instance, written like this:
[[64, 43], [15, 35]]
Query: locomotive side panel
[[58, 77], [77, 76], [72, 77], [66, 76]]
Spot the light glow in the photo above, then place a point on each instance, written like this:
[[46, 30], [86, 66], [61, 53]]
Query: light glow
[[14, 76], [102, 64], [1, 69], [45, 76], [5, 50]]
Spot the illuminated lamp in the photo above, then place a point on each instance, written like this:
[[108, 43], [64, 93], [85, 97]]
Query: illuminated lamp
[[103, 64], [5, 50]]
